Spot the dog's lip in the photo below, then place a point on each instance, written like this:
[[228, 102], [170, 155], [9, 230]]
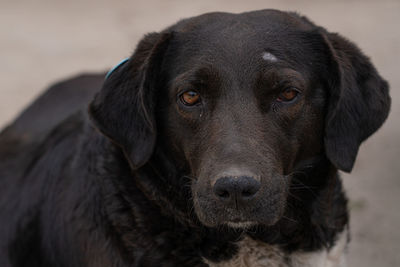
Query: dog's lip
[[240, 223]]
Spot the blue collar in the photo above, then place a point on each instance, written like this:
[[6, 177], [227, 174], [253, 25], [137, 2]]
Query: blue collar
[[122, 62]]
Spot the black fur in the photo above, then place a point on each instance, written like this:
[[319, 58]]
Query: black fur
[[130, 186]]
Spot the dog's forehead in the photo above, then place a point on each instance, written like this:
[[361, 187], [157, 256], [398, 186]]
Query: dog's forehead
[[268, 18], [244, 40]]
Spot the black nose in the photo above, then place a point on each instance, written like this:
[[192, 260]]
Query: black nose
[[236, 189]]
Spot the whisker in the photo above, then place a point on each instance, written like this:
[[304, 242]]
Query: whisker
[[289, 219], [294, 196]]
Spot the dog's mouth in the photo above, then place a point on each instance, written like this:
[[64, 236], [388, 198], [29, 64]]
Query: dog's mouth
[[212, 214]]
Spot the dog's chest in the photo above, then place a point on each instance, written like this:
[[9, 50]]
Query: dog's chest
[[254, 253]]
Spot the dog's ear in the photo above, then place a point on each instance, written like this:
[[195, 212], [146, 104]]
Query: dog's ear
[[359, 102], [124, 108]]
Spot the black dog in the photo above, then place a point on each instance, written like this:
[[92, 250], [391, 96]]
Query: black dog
[[217, 144]]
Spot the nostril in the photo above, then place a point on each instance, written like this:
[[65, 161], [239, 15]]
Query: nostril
[[250, 192], [224, 188], [248, 186], [247, 193], [222, 193]]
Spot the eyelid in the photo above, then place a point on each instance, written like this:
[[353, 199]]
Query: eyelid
[[291, 88], [283, 85], [181, 86], [183, 90]]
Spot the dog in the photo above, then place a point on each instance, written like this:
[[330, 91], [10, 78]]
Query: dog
[[217, 143]]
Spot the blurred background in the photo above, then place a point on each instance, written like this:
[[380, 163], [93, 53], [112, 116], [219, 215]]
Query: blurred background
[[43, 41]]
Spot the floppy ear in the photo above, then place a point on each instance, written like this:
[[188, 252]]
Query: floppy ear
[[124, 108], [359, 102]]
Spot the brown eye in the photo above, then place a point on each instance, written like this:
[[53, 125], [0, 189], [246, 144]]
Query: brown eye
[[288, 95], [190, 98]]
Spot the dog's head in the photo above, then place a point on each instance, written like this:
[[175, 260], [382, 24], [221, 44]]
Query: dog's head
[[240, 102]]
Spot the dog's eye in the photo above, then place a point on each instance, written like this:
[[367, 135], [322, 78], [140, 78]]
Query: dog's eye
[[288, 95], [190, 98]]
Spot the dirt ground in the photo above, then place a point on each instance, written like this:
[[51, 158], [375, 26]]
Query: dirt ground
[[43, 41]]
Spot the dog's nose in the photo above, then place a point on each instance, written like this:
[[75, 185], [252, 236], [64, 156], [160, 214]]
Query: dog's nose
[[236, 189]]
